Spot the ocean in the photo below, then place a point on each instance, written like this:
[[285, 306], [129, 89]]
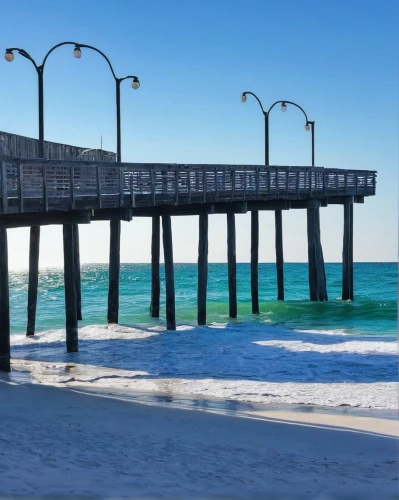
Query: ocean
[[338, 353]]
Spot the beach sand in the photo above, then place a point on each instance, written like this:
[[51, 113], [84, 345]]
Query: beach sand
[[58, 441]]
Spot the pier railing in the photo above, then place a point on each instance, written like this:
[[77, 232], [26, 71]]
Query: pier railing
[[31, 185]]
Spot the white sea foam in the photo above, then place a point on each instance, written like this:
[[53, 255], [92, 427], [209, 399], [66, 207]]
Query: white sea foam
[[246, 362]]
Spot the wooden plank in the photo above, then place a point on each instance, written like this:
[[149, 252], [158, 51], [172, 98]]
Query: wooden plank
[[44, 219], [297, 183], [20, 185], [204, 186], [231, 264], [34, 247], [77, 271], [72, 187], [176, 187], [202, 268], [114, 269], [317, 276], [278, 216], [98, 183], [44, 189], [152, 187], [155, 280], [132, 197], [169, 272], [4, 193], [71, 322], [121, 171], [5, 354], [257, 175], [277, 183], [268, 183], [254, 261], [347, 253], [216, 185]]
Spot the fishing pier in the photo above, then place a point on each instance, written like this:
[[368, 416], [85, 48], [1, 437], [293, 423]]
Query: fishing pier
[[36, 192]]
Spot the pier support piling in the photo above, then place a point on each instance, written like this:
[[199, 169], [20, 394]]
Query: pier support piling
[[155, 282], [33, 278], [231, 264], [347, 251], [114, 269], [169, 272], [70, 290], [77, 271], [4, 305], [279, 254], [202, 268], [254, 261], [317, 275]]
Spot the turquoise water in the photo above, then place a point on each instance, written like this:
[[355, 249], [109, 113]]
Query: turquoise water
[[374, 311]]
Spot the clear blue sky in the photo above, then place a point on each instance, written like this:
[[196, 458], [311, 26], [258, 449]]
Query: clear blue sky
[[338, 60]]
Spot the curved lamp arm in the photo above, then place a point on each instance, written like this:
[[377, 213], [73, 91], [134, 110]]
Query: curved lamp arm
[[294, 104], [126, 77], [79, 45], [257, 98], [25, 54]]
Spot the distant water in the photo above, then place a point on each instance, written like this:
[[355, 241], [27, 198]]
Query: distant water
[[296, 352], [374, 311]]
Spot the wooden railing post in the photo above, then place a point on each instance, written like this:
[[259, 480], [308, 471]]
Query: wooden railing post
[[72, 187], [4, 193], [20, 182]]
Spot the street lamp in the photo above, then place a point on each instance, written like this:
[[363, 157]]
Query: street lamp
[[308, 124], [278, 213], [77, 52]]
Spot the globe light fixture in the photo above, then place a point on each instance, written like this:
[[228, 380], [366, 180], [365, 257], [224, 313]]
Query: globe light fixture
[[135, 83], [283, 107], [77, 52], [9, 56], [307, 127], [243, 97]]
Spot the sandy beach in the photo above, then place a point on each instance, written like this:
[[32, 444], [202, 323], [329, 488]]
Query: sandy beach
[[57, 441]]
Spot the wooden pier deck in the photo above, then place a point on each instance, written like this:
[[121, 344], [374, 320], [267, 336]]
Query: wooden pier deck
[[35, 192], [37, 186]]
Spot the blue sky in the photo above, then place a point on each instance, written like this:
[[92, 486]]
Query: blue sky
[[338, 60]]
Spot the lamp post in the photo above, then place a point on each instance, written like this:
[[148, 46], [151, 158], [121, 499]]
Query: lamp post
[[309, 125], [35, 231], [9, 56]]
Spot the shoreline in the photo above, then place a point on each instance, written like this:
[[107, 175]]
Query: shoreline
[[372, 418]]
